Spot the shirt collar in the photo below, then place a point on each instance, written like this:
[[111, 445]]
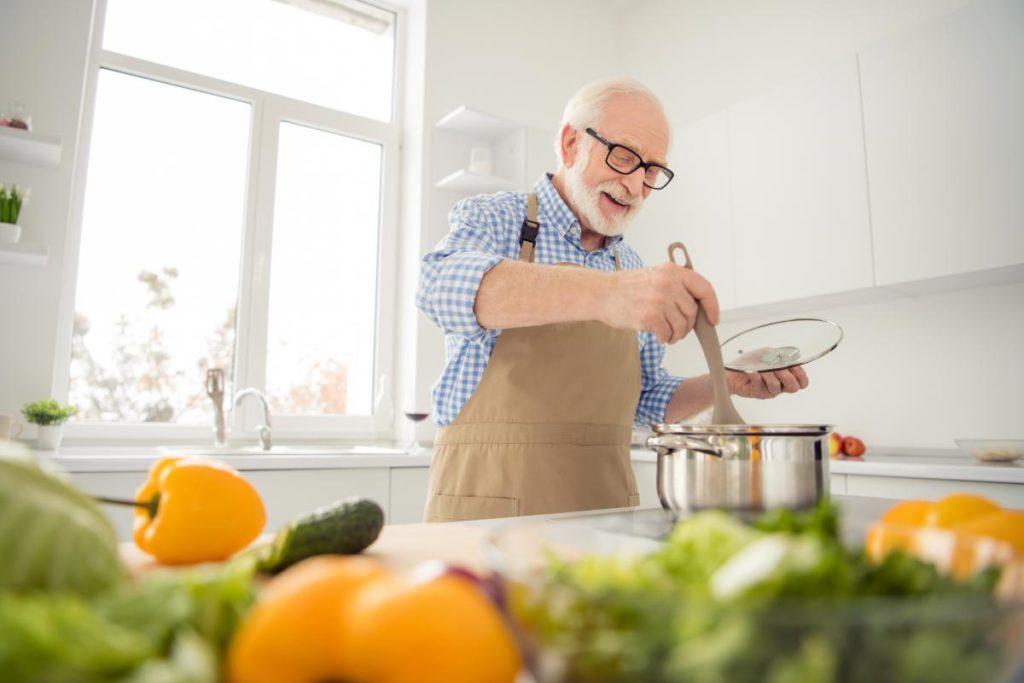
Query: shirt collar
[[550, 206]]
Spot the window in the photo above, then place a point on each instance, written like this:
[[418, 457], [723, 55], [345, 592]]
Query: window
[[241, 159]]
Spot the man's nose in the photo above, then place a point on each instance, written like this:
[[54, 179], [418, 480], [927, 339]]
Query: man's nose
[[634, 182]]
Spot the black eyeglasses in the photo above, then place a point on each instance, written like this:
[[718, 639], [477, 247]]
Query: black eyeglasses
[[622, 159]]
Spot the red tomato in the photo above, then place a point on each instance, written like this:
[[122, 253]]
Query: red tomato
[[853, 447]]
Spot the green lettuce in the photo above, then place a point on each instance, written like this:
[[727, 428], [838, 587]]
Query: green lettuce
[[52, 536], [169, 627], [780, 601]]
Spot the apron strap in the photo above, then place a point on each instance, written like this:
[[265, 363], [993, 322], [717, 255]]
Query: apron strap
[[615, 253], [528, 233]]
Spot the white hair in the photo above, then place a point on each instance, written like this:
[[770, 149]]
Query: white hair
[[585, 107]]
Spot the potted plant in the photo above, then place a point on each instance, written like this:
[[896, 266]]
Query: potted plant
[[50, 417], [11, 200]]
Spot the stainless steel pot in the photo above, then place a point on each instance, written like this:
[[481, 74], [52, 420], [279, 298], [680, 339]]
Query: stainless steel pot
[[741, 467]]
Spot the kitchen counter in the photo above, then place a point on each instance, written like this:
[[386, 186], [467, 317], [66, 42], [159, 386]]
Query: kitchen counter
[[925, 466], [944, 465], [914, 464], [403, 546], [140, 458]]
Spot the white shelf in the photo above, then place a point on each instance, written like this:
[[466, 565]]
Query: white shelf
[[472, 123], [26, 147], [22, 255], [464, 181]]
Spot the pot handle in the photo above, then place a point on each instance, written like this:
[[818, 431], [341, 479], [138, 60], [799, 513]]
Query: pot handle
[[665, 443]]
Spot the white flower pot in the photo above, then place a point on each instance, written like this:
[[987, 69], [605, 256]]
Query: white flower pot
[[10, 233], [48, 437]]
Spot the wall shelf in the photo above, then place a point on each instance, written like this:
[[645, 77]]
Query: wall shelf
[[23, 255], [475, 124], [26, 147], [464, 181]]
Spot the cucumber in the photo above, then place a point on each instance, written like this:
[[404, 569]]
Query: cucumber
[[343, 528]]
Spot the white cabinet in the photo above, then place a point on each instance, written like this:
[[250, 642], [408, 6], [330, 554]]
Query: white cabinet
[[912, 488], [113, 485], [646, 474], [290, 493], [799, 191], [943, 108], [496, 143], [408, 494]]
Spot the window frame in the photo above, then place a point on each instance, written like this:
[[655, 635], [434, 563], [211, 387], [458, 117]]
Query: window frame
[[267, 112]]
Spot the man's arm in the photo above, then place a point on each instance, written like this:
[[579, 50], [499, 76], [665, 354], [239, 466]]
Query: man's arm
[[662, 300], [696, 394], [470, 284]]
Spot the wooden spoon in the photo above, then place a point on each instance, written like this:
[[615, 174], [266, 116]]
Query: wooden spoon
[[724, 412]]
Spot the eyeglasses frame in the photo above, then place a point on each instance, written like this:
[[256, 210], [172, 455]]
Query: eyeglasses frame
[[646, 165]]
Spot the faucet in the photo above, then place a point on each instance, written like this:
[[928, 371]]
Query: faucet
[[215, 390], [263, 430]]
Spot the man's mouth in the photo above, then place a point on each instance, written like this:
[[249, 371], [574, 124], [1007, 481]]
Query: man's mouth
[[616, 201]]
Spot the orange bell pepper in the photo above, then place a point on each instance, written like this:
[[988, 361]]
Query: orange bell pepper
[[196, 509]]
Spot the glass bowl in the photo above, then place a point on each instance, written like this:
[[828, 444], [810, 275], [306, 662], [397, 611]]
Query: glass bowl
[[641, 632], [992, 450]]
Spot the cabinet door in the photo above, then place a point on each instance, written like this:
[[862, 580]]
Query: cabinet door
[[408, 494], [906, 488], [799, 191], [290, 493], [943, 108], [646, 474], [113, 485]]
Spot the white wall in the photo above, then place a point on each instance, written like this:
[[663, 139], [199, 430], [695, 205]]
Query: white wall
[[43, 51], [521, 60], [516, 60], [911, 372]]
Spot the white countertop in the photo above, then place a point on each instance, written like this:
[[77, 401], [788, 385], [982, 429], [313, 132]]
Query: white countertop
[[954, 466], [140, 458], [950, 465], [915, 464]]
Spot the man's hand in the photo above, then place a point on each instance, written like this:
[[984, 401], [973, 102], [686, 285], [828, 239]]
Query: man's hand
[[767, 384], [662, 300]]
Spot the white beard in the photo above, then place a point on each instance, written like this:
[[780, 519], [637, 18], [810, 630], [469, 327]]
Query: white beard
[[586, 201]]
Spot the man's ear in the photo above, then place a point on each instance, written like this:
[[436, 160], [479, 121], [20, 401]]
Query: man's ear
[[570, 139]]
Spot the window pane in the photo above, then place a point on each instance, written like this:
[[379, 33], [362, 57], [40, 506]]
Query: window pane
[[159, 260], [335, 53], [323, 282]]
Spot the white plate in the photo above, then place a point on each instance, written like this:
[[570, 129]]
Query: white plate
[[992, 450]]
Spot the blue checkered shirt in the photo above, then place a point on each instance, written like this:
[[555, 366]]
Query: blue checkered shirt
[[485, 231]]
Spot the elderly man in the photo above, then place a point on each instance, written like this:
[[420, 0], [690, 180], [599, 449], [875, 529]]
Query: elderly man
[[555, 331]]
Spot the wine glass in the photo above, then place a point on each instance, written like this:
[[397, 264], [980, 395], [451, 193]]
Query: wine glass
[[415, 410]]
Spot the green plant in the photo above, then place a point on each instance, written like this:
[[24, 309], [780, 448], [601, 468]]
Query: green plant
[[47, 412], [11, 199]]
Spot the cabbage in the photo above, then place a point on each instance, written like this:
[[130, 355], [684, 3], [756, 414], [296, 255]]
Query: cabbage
[[52, 536]]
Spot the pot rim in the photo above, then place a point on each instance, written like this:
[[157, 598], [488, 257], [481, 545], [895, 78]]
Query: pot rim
[[741, 430]]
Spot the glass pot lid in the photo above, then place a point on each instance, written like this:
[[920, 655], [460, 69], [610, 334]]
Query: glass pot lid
[[780, 345]]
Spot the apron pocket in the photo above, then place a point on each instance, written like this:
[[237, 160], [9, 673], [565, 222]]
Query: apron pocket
[[460, 508]]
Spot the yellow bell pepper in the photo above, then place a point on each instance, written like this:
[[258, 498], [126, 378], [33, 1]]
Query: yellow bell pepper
[[196, 509]]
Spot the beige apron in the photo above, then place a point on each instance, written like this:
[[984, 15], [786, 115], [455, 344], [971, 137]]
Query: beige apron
[[548, 428]]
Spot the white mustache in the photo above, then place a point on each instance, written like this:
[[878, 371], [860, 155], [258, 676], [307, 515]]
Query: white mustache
[[616, 193]]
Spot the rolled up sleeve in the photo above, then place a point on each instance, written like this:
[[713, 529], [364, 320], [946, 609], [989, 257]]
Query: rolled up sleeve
[[450, 275], [657, 386]]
